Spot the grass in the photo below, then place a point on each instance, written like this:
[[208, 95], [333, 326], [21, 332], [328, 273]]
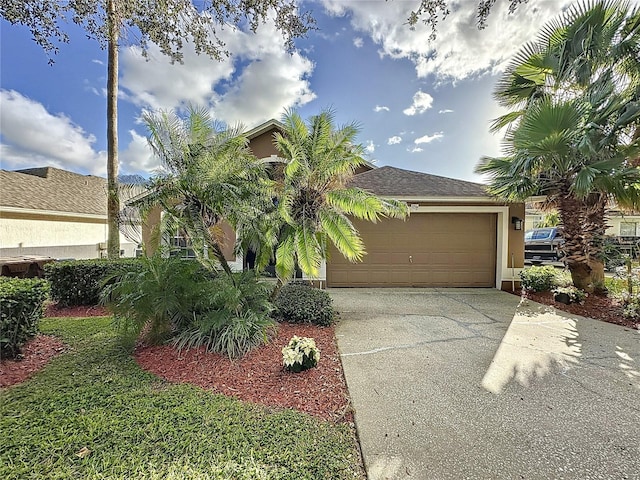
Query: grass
[[138, 426]]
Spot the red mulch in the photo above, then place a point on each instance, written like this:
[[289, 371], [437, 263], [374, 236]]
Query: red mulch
[[52, 310], [259, 376], [35, 355], [595, 306]]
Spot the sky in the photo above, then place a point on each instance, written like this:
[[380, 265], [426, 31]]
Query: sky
[[421, 104]]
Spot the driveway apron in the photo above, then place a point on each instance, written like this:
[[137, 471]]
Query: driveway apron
[[474, 383]]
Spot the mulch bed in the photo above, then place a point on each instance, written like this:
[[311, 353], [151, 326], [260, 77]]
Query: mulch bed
[[595, 306], [52, 310], [259, 376], [36, 353]]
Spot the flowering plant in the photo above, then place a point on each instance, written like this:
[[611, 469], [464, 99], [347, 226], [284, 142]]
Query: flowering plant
[[575, 294], [300, 354]]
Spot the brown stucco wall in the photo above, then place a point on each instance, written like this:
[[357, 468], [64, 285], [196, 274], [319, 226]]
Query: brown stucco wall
[[262, 145]]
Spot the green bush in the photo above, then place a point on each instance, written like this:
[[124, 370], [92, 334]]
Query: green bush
[[298, 302], [174, 298], [160, 296], [21, 307], [538, 278], [234, 318], [78, 282]]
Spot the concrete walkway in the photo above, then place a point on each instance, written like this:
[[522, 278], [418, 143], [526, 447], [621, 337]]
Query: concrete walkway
[[468, 383]]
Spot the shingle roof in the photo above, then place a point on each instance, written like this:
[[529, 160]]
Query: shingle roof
[[396, 182], [52, 189]]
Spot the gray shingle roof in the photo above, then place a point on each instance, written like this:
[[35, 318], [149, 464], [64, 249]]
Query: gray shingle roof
[[396, 182], [52, 189]]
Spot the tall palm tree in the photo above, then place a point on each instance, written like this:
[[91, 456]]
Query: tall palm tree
[[209, 177], [316, 201], [589, 55]]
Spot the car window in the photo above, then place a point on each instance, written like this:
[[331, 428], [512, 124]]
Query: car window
[[539, 234]]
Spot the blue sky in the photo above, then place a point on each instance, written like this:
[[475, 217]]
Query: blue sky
[[422, 105]]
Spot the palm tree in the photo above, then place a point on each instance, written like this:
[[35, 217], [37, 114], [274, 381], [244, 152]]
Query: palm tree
[[210, 177], [316, 201], [590, 56], [546, 154]]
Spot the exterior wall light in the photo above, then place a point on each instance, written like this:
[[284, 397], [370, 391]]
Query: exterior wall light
[[517, 223]]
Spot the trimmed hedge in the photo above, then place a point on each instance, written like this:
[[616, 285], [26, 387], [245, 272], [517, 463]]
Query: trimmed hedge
[[21, 307], [299, 302], [78, 282]]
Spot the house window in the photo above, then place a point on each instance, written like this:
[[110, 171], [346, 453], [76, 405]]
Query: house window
[[180, 246], [628, 229]]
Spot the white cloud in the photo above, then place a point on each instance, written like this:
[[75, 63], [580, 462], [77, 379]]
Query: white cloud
[[428, 138], [256, 83], [358, 42], [446, 110], [370, 147], [137, 157], [415, 150], [380, 108], [394, 140], [460, 50], [31, 136], [421, 103], [99, 62]]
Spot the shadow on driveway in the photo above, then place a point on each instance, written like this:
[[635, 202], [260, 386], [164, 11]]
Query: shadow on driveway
[[472, 383]]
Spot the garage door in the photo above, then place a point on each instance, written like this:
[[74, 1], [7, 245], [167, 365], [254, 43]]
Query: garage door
[[427, 250]]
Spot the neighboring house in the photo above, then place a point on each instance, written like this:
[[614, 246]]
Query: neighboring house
[[56, 213], [456, 236], [620, 224]]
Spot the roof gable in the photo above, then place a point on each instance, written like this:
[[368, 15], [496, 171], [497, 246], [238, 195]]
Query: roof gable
[[397, 182]]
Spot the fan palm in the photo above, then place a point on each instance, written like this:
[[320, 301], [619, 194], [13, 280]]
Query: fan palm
[[589, 57], [209, 177], [316, 201], [548, 154]]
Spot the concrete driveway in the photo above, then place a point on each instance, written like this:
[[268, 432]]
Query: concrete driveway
[[469, 383]]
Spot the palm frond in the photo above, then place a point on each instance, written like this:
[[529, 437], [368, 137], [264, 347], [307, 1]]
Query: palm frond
[[343, 234]]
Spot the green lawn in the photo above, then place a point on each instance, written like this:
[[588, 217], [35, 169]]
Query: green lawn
[[138, 426]]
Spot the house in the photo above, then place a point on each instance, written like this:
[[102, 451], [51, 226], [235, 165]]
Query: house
[[619, 223], [456, 235], [56, 213]]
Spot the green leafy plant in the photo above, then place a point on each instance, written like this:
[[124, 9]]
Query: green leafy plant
[[300, 354], [538, 278], [21, 307], [301, 303], [161, 297], [78, 282], [575, 294], [234, 319]]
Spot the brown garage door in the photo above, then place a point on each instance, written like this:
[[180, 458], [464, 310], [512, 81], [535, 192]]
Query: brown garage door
[[427, 250]]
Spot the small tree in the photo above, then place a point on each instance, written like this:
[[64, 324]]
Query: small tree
[[210, 177], [316, 200]]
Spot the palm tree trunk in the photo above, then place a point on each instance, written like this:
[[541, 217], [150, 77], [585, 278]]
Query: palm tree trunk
[[570, 210], [113, 200], [594, 227]]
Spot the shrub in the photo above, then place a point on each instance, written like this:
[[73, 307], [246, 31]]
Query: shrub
[[21, 307], [300, 354], [78, 282], [301, 303], [160, 296], [235, 318], [575, 294], [538, 278]]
